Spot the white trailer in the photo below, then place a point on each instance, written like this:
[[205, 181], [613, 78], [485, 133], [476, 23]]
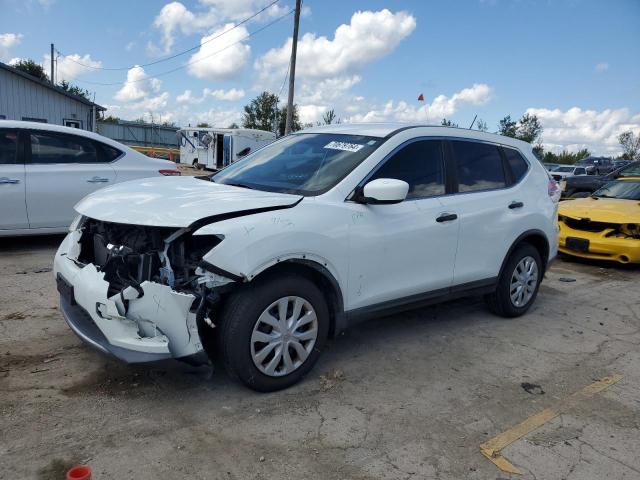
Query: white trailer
[[215, 148]]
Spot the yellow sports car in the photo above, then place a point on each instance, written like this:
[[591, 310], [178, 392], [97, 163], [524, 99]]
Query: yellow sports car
[[604, 226]]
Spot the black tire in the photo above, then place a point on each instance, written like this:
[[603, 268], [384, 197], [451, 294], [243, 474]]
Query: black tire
[[499, 302], [239, 316]]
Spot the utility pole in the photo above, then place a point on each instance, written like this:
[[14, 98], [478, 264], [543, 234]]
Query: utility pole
[[292, 69], [52, 60]]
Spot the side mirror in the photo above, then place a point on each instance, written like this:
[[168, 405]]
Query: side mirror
[[384, 191]]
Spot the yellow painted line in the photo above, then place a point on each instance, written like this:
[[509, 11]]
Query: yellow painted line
[[491, 449]]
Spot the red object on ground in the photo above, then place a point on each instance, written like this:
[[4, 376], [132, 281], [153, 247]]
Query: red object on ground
[[81, 472], [421, 98]]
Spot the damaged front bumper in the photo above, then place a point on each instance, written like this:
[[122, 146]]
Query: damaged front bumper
[[155, 324]]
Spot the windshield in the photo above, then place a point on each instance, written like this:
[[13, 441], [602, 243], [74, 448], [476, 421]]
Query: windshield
[[630, 171], [625, 190], [564, 169], [305, 164]]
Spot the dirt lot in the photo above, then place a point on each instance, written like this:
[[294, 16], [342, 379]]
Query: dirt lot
[[408, 396]]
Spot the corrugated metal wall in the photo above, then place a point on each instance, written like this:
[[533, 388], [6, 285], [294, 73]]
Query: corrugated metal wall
[[21, 98], [141, 134]]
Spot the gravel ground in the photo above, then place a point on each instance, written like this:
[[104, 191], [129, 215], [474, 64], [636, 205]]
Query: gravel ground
[[407, 396]]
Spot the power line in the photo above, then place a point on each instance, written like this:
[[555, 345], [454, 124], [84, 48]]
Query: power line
[[147, 77], [175, 55]]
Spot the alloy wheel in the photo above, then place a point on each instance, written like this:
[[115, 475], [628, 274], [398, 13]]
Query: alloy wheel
[[284, 336], [523, 281]]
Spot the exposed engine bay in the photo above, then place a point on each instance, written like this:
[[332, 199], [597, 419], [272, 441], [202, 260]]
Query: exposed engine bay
[[131, 254], [146, 289]]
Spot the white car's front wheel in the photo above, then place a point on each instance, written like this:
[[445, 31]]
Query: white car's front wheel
[[272, 332]]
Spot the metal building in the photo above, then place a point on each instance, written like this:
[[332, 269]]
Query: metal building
[[24, 97], [139, 134]]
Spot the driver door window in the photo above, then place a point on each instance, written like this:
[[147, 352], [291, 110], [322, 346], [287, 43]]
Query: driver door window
[[420, 165]]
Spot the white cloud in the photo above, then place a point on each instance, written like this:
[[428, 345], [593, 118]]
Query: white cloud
[[241, 9], [7, 42], [138, 86], [69, 67], [129, 46], [576, 128], [152, 103], [230, 95], [441, 106], [602, 67], [220, 58], [368, 37], [186, 97], [175, 17], [219, 94]]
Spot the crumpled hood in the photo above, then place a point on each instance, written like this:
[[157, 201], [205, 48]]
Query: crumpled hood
[[175, 201], [610, 210]]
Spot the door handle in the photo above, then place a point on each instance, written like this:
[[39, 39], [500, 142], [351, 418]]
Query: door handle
[[446, 217], [514, 205], [98, 180], [7, 180]]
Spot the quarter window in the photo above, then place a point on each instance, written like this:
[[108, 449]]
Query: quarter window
[[52, 147], [479, 166], [8, 146], [517, 163], [420, 165], [107, 153]]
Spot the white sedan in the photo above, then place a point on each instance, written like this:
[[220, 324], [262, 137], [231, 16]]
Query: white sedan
[[46, 169]]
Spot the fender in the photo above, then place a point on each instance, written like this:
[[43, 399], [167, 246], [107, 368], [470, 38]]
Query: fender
[[519, 239]]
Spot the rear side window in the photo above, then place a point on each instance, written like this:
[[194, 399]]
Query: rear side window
[[107, 153], [580, 171], [8, 147], [479, 166], [517, 163], [53, 147], [420, 165]]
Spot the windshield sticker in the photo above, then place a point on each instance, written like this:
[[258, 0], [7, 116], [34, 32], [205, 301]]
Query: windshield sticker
[[347, 147]]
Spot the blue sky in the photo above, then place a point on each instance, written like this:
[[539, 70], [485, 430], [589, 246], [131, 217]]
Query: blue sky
[[570, 62]]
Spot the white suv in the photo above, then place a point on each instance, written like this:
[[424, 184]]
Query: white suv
[[264, 260]]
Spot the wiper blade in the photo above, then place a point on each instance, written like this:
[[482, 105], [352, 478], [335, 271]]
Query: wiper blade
[[241, 185]]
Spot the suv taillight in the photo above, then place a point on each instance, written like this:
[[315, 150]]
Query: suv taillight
[[169, 173]]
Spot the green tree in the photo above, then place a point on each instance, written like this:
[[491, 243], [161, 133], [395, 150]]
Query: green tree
[[448, 123], [74, 89], [282, 120], [233, 125], [30, 67], [329, 117], [482, 125], [261, 113], [529, 128], [203, 125], [109, 119], [508, 127], [565, 158], [630, 144]]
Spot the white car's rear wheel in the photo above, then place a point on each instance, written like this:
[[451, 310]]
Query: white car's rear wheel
[[518, 283]]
